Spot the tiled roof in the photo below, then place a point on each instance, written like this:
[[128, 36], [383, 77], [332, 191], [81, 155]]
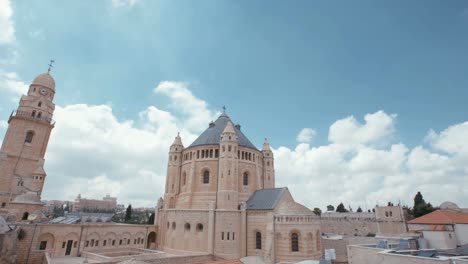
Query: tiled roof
[[212, 135], [441, 217], [265, 199]]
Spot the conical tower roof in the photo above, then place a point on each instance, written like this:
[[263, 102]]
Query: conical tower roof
[[212, 135]]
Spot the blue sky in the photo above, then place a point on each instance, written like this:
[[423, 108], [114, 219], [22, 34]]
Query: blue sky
[[278, 66]]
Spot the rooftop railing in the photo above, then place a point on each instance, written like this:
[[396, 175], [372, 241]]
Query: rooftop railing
[[29, 116]]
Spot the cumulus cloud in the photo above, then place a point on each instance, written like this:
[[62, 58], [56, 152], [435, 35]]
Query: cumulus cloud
[[361, 167], [452, 140], [11, 84], [90, 146], [7, 30], [306, 135], [378, 126], [193, 109]]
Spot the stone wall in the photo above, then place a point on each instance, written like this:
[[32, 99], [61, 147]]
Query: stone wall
[[185, 230], [349, 225], [8, 243], [62, 239], [309, 237], [363, 224]]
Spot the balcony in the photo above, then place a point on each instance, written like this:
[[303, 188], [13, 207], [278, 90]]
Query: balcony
[[28, 116]]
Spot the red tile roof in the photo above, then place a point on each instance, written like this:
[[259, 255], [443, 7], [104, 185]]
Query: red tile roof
[[441, 217]]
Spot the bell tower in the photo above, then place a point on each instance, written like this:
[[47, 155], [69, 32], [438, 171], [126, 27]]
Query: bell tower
[[173, 172], [24, 146], [268, 166]]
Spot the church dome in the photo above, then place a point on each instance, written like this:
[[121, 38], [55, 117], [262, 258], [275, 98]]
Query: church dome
[[449, 206], [45, 80], [212, 135]]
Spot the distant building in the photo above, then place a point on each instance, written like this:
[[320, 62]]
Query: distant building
[[106, 204], [445, 228]]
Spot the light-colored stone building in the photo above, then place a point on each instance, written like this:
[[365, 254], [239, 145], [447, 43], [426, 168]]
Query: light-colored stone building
[[107, 203], [22, 153], [220, 199]]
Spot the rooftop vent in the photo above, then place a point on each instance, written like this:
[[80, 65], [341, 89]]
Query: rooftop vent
[[237, 126], [212, 124]]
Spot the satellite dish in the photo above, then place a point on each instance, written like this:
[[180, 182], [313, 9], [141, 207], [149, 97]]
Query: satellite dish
[[32, 217]]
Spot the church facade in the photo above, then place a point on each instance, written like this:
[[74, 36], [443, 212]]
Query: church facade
[[220, 198]]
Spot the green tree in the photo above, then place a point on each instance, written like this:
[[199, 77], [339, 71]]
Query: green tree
[[317, 211], [128, 213], [420, 207], [341, 209], [359, 210], [330, 208]]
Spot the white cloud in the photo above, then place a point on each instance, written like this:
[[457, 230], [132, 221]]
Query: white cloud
[[378, 126], [194, 110], [93, 153], [7, 30], [452, 140], [361, 167], [3, 124], [306, 135], [11, 84], [123, 3]]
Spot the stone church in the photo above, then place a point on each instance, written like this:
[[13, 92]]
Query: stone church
[[220, 198]]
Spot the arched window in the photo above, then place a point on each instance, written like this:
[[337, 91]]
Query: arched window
[[206, 177], [29, 137], [246, 179], [391, 213], [39, 115], [294, 242], [258, 240], [33, 114], [184, 178], [173, 227], [199, 227], [187, 227], [39, 104], [25, 216]]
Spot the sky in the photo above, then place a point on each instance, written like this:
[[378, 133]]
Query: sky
[[363, 102]]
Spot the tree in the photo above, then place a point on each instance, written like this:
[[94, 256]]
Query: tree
[[341, 209], [128, 213], [359, 210], [151, 219], [317, 211], [420, 207], [330, 208]]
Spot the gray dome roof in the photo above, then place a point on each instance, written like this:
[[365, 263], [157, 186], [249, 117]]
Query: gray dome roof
[[212, 135]]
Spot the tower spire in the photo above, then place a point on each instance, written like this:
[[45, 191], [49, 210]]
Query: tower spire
[[50, 66]]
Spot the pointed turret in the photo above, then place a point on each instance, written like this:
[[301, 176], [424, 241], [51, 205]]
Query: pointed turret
[[266, 145], [173, 171], [268, 166], [228, 164], [229, 134]]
